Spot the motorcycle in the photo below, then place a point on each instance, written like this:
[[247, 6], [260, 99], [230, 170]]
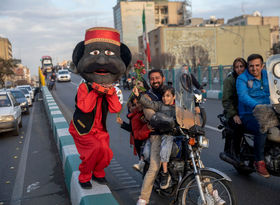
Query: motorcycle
[[128, 84], [51, 84], [200, 100], [244, 164], [192, 182]]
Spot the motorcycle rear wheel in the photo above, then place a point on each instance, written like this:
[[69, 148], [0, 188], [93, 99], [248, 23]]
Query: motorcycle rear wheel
[[189, 195]]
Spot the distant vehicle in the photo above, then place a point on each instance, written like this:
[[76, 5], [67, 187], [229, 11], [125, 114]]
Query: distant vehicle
[[29, 88], [10, 113], [63, 75], [47, 64], [27, 95], [20, 97]]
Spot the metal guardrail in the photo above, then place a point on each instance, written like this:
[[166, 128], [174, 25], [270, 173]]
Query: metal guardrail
[[213, 76]]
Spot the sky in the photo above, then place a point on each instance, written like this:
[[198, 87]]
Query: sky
[[53, 27]]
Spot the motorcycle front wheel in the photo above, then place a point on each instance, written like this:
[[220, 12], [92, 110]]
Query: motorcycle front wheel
[[189, 193]]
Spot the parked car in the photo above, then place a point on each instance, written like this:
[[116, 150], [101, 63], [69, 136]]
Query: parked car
[[10, 113], [20, 97], [27, 95], [29, 88], [63, 75]]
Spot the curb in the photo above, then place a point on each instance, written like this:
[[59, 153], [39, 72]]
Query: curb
[[99, 194]]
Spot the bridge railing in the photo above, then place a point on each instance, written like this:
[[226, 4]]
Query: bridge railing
[[213, 76]]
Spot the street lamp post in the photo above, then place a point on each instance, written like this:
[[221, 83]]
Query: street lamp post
[[238, 34]]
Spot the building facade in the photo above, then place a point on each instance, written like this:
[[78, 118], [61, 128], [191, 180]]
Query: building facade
[[128, 18], [5, 49], [221, 44], [257, 19]]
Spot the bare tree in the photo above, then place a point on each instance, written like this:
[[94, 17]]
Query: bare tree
[[6, 69], [163, 61], [195, 56]]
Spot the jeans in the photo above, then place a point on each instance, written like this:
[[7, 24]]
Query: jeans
[[153, 170], [233, 139], [166, 147], [251, 124]]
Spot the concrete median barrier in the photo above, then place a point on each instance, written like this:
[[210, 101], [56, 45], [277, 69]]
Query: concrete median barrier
[[99, 194]]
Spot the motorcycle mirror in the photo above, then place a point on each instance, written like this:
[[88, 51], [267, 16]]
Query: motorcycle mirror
[[186, 82]]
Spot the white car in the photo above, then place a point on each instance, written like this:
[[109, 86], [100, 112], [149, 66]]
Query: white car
[[10, 113], [29, 88], [63, 75]]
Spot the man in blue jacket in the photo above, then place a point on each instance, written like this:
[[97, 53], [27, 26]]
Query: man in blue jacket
[[253, 90]]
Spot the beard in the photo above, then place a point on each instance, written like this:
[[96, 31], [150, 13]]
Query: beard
[[158, 89]]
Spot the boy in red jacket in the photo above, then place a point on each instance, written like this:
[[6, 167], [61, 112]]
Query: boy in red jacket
[[139, 129]]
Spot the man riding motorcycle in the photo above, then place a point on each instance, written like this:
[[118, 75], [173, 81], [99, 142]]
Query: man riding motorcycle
[[253, 91], [52, 80]]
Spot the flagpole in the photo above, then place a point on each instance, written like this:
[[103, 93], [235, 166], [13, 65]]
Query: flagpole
[[145, 39]]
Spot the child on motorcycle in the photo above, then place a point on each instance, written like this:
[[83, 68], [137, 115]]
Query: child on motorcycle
[[167, 108]]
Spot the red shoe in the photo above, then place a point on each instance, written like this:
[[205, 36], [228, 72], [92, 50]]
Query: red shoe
[[261, 169]]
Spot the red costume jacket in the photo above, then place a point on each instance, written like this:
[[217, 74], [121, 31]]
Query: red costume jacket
[[139, 128], [88, 129]]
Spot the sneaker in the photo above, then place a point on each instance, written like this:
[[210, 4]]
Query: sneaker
[[261, 169], [165, 180], [101, 180], [141, 202], [85, 185], [139, 167], [218, 200]]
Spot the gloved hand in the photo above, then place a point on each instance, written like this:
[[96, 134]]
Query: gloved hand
[[104, 89]]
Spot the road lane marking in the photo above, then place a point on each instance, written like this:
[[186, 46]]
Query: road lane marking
[[129, 182], [125, 178], [19, 181], [123, 174], [118, 171], [213, 128]]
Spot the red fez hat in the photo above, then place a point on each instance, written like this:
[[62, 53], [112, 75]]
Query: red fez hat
[[102, 34]]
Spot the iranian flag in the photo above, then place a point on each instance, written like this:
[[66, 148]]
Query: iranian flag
[[145, 38]]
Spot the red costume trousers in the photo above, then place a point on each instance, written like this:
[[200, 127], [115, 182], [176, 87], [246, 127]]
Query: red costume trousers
[[94, 151]]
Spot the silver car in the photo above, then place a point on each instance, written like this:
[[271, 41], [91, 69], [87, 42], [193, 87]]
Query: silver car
[[10, 113], [27, 95], [30, 90]]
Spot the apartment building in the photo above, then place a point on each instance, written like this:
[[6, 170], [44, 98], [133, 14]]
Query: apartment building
[[221, 44], [5, 49], [128, 18], [257, 19]]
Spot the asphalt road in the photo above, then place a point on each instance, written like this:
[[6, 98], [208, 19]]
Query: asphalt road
[[30, 169], [125, 183]]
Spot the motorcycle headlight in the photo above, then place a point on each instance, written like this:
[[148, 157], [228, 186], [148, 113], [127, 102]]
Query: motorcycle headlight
[[203, 142], [119, 92], [276, 70], [23, 103]]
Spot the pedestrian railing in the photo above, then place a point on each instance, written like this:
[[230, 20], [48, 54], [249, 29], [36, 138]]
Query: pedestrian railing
[[212, 76]]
